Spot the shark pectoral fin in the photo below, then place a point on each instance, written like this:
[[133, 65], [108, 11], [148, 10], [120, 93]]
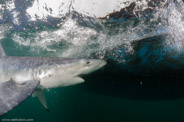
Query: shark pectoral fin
[[12, 94], [40, 94]]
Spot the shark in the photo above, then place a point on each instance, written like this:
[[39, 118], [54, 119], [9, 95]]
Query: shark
[[22, 76]]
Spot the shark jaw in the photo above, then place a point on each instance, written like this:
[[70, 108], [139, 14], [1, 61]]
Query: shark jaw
[[69, 74]]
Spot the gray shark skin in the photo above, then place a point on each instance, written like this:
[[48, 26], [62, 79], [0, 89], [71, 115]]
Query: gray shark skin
[[10, 92], [22, 76], [48, 71]]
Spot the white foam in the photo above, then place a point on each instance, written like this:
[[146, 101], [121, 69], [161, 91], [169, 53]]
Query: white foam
[[75, 40]]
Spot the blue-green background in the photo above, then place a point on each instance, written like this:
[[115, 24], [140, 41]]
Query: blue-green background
[[147, 87]]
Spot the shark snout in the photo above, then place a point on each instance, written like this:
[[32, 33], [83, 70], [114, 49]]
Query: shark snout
[[102, 63], [93, 65]]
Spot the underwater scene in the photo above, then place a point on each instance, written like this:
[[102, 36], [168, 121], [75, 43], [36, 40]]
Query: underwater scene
[[92, 60]]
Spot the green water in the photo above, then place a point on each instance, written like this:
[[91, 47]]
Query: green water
[[75, 103], [103, 98]]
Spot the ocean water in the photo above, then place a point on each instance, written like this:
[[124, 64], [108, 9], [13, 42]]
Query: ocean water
[[143, 78]]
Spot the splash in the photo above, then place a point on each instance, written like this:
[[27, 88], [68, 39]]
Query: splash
[[72, 28], [174, 24]]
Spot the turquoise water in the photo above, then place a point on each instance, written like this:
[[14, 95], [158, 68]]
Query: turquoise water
[[111, 94], [106, 101]]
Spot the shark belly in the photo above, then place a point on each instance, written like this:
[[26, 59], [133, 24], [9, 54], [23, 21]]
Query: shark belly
[[59, 78], [48, 78]]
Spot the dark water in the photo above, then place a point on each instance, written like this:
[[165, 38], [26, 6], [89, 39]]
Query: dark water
[[108, 98], [143, 80]]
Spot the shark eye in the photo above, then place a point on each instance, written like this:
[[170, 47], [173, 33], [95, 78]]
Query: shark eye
[[88, 62]]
